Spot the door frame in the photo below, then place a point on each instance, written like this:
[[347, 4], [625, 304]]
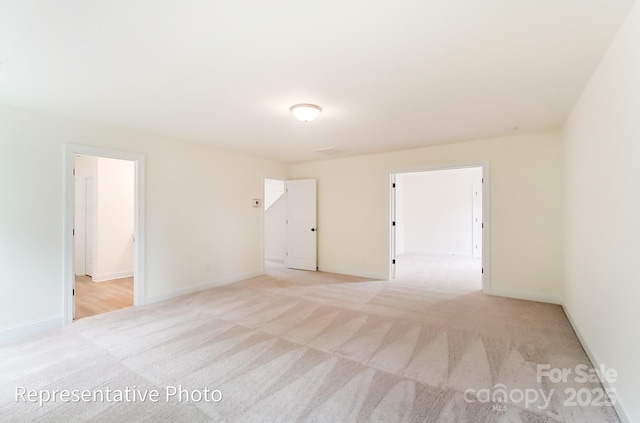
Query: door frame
[[475, 227], [70, 150], [486, 213], [80, 224]]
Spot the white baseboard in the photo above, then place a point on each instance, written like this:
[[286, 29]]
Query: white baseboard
[[197, 288], [619, 407], [111, 276], [351, 272], [28, 328], [279, 259], [436, 253], [523, 295]]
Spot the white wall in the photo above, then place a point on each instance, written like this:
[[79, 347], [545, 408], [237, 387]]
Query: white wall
[[275, 227], [273, 189], [114, 219], [437, 210], [275, 220], [526, 209], [201, 228], [602, 290]]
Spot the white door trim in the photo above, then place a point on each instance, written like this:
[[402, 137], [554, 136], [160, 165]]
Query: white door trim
[[139, 222], [486, 213], [477, 230], [80, 238]]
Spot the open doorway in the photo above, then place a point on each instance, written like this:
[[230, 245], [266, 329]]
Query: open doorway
[[104, 231], [275, 223], [437, 228], [290, 233], [103, 234]]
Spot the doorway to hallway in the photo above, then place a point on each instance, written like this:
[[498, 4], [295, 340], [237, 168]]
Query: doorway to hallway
[[437, 228], [125, 243], [103, 242]]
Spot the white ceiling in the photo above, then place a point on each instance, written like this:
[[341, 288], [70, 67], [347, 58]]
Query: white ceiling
[[389, 75]]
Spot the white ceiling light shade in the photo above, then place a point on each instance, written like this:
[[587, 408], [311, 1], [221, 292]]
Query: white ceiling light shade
[[305, 112]]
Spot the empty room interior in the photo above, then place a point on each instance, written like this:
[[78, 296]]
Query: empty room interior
[[331, 211]]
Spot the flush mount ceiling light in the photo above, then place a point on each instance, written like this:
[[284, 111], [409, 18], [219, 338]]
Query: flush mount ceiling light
[[305, 112]]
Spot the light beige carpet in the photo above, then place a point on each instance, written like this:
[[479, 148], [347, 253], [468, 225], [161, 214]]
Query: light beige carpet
[[305, 346]]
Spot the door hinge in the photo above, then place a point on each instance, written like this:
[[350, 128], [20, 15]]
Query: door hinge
[[483, 270], [482, 225], [394, 185], [74, 172], [73, 292], [393, 223], [393, 261], [483, 180], [73, 232]]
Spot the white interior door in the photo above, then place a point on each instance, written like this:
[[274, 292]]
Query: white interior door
[[301, 224], [477, 220], [89, 225]]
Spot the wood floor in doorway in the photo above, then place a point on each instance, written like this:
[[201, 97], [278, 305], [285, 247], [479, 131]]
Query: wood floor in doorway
[[100, 297]]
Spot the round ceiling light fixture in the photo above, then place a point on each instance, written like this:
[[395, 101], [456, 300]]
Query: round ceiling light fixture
[[305, 112]]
